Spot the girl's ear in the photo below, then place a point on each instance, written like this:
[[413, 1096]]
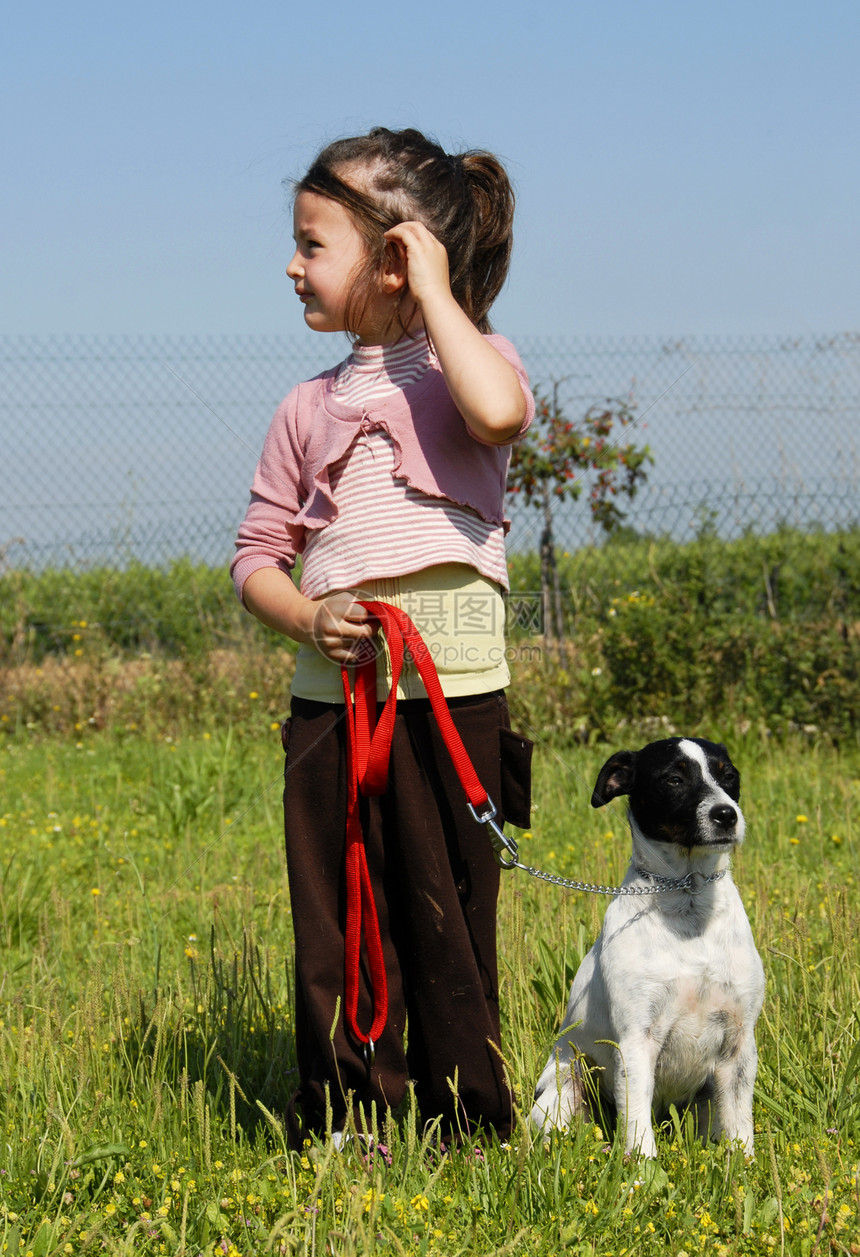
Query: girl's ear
[[394, 268]]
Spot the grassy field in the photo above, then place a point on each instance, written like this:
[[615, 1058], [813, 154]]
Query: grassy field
[[146, 1042]]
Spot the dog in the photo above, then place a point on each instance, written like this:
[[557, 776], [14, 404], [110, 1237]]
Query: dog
[[663, 1008]]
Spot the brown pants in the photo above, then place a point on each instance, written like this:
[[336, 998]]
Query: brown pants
[[435, 883]]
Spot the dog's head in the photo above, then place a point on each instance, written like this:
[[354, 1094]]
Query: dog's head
[[682, 790]]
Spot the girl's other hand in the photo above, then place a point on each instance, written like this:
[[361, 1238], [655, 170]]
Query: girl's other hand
[[343, 630], [425, 259]]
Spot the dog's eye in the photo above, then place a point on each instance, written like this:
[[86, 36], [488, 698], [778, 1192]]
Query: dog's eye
[[674, 779]]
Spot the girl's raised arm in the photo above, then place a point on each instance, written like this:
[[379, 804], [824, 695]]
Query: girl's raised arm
[[484, 386]]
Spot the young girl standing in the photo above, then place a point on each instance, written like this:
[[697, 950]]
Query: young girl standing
[[387, 475]]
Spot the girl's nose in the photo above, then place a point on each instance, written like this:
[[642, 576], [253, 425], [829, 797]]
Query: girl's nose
[[294, 268]]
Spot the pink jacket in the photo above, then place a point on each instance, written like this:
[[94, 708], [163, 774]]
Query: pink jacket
[[311, 429]]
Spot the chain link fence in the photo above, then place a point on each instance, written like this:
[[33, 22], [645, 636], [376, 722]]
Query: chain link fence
[[120, 448]]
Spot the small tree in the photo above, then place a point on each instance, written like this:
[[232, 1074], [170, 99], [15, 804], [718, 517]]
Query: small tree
[[550, 464]]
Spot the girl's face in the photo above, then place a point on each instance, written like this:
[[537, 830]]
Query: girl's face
[[329, 250]]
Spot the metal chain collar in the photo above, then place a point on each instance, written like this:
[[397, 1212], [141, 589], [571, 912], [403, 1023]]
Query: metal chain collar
[[507, 856], [659, 883]]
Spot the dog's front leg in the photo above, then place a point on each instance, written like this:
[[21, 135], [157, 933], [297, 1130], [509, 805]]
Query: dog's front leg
[[734, 1080], [634, 1093]]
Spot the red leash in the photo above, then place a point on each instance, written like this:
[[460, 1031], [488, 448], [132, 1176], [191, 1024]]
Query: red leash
[[368, 744]]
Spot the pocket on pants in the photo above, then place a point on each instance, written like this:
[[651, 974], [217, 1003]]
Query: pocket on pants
[[515, 753]]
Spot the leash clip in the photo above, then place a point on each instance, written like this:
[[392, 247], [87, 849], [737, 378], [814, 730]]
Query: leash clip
[[505, 849], [369, 1053]]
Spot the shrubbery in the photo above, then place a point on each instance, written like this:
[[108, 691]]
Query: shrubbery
[[709, 635], [761, 631], [181, 609]]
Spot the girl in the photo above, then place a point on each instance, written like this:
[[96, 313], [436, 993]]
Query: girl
[[387, 475]]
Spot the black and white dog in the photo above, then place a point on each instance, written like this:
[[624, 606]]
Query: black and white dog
[[666, 1002]]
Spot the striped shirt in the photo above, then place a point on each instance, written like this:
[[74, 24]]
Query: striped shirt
[[384, 527]]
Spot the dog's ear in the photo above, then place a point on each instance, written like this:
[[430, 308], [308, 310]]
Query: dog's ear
[[615, 777]]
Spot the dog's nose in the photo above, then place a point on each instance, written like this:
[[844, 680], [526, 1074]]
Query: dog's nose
[[724, 816]]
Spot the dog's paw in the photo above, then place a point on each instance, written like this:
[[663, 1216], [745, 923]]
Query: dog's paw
[[545, 1117], [560, 1097]]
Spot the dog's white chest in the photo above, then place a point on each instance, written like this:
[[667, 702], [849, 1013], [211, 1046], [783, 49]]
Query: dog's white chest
[[688, 999], [701, 1024]]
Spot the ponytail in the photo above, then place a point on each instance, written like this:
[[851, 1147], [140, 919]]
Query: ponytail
[[493, 219]]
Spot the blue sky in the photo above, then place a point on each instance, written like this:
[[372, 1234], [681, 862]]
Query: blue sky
[[681, 167]]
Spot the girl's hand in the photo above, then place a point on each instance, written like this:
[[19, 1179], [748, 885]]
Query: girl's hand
[[342, 630], [337, 625], [426, 262]]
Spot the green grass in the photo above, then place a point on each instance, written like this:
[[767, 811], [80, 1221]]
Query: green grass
[[146, 1045]]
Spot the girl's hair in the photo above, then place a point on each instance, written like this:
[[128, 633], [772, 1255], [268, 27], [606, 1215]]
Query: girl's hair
[[466, 201]]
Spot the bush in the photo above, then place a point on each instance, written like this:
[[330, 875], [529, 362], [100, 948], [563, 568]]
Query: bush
[[762, 631], [708, 636], [181, 609]]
